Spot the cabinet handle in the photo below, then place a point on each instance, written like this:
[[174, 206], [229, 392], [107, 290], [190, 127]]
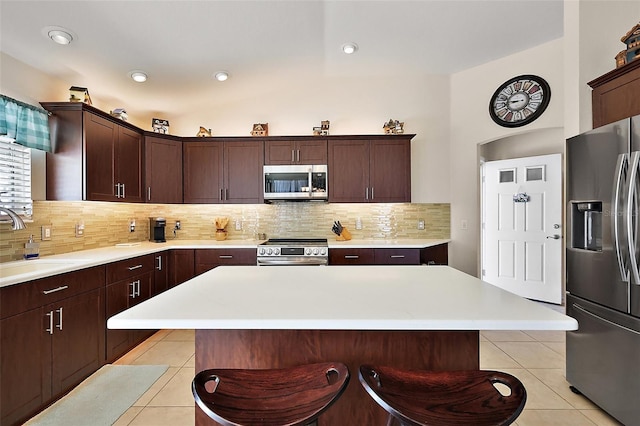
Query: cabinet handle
[[293, 158], [59, 311], [50, 329], [117, 190], [159, 267], [149, 193], [132, 268], [53, 290], [221, 194], [298, 156], [123, 195], [397, 256], [366, 196], [225, 256], [135, 289], [226, 194], [372, 196], [351, 256]]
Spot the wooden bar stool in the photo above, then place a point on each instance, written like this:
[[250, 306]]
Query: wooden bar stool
[[442, 398], [274, 397]]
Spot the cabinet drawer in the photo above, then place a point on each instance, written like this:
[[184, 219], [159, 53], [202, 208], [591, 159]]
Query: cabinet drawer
[[22, 297], [397, 256], [124, 269], [351, 256], [219, 257]]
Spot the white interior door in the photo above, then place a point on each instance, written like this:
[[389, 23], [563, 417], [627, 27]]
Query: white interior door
[[521, 229]]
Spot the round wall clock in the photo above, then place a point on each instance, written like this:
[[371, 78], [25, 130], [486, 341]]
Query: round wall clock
[[519, 101]]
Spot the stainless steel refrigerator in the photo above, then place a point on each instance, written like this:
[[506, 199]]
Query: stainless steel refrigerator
[[603, 267]]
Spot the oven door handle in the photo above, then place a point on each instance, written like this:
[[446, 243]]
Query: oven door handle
[[292, 262]]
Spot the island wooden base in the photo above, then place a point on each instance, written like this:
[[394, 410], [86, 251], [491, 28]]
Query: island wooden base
[[434, 350]]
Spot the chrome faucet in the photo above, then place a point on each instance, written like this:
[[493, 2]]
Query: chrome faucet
[[16, 221]]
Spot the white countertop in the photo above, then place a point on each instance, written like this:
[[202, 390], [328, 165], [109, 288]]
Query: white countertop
[[26, 270], [339, 298]]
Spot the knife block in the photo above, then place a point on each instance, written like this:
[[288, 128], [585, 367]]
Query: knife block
[[345, 235]]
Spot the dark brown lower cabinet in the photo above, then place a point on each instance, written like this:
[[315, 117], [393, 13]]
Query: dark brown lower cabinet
[[161, 272], [46, 350], [351, 256], [206, 259], [397, 256], [129, 282], [434, 255], [181, 266]]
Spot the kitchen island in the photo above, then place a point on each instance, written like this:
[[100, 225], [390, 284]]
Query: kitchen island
[[423, 317]]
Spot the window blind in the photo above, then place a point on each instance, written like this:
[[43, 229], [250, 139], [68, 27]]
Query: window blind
[[15, 177]]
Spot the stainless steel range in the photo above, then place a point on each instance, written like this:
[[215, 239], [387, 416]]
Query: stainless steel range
[[293, 251]]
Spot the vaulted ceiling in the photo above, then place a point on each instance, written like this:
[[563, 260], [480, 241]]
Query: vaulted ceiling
[[181, 44]]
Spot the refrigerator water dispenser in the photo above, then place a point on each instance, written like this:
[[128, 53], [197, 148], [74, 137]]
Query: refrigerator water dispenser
[[587, 225]]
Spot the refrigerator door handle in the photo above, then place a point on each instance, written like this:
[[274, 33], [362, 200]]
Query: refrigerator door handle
[[620, 249], [632, 199], [598, 317]]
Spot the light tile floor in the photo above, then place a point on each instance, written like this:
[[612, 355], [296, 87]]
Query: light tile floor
[[536, 358]]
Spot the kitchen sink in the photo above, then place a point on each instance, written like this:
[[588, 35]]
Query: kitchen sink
[[21, 267]]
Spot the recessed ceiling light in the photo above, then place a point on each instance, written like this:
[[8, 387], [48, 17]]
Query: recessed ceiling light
[[58, 34], [349, 48], [60, 37], [138, 76], [221, 75]]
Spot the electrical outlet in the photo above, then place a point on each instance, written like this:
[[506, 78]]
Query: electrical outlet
[[79, 229], [178, 225], [358, 223], [238, 225], [421, 224], [464, 224], [46, 233], [132, 225]]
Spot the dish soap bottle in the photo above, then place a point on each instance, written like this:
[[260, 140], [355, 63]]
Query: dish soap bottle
[[31, 249]]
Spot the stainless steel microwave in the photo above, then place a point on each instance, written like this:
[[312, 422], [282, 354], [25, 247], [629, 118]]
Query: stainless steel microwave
[[295, 182]]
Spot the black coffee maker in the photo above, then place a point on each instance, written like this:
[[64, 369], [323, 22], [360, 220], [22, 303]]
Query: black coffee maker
[[156, 229]]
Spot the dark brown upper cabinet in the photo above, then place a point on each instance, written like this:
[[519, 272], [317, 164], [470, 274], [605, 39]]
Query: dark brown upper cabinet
[[223, 170], [616, 94], [96, 157], [163, 169], [372, 170], [302, 151]]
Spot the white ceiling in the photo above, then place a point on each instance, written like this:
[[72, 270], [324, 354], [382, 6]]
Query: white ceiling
[[180, 44]]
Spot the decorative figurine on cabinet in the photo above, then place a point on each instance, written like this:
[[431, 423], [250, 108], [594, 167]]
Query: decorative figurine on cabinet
[[394, 127], [79, 94], [323, 130], [119, 113], [260, 129], [204, 133], [160, 126], [632, 52]]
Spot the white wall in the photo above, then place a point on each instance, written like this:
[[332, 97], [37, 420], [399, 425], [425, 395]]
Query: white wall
[[471, 126]]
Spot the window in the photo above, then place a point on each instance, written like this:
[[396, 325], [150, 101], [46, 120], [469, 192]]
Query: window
[[15, 177], [508, 176]]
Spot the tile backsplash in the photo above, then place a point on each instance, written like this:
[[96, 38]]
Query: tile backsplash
[[106, 224]]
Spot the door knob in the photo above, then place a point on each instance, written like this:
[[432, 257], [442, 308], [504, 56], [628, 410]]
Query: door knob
[[554, 236]]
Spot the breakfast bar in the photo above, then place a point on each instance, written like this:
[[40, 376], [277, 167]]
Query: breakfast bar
[[422, 317]]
